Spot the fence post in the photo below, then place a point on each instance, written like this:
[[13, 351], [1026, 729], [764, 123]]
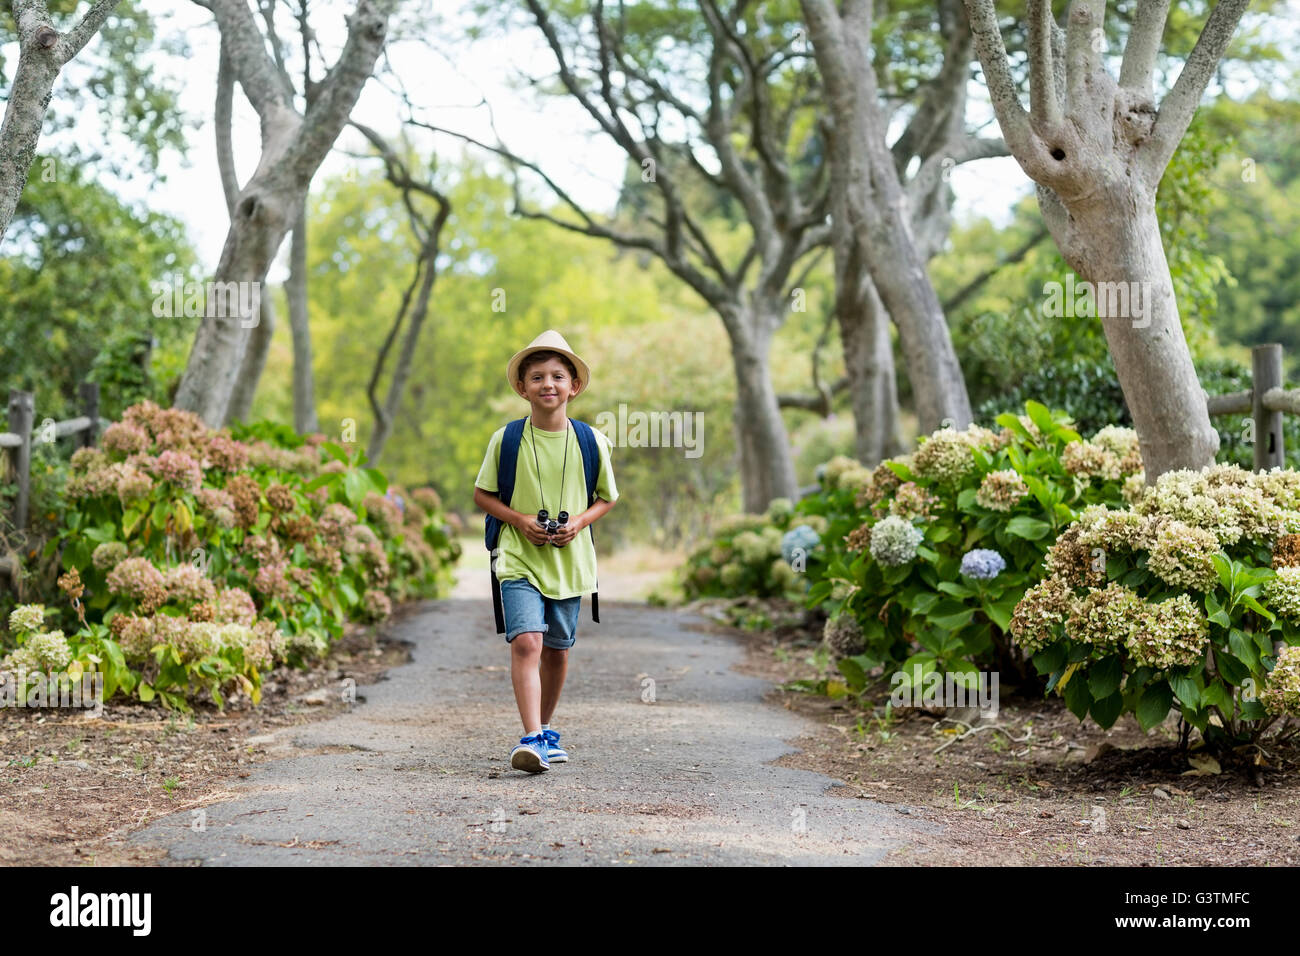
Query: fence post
[[89, 392], [22, 407], [1266, 373]]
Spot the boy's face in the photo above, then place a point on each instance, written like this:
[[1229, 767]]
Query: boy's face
[[548, 384]]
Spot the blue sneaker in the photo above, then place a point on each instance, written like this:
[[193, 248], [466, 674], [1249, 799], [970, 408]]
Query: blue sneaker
[[530, 755], [554, 752]]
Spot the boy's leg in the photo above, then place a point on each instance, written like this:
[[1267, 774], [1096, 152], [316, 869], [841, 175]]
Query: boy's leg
[[561, 631], [525, 614], [554, 668], [525, 650]]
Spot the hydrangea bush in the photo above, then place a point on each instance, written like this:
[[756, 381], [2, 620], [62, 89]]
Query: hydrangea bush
[[1187, 599], [763, 555], [197, 561], [929, 553]]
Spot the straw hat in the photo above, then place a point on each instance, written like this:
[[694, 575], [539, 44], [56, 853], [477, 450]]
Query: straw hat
[[548, 341]]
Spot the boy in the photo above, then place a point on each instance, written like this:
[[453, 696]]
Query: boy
[[544, 569]]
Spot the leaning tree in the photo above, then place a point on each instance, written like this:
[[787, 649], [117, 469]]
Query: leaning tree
[[1097, 149], [294, 143]]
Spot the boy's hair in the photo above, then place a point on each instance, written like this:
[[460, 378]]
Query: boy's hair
[[530, 360]]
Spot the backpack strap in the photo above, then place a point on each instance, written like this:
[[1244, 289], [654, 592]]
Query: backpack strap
[[506, 460], [591, 469]]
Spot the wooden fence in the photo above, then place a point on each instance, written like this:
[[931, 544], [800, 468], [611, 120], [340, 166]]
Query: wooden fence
[[1265, 402], [18, 444]]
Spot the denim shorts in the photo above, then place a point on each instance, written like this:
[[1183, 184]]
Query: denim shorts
[[527, 609]]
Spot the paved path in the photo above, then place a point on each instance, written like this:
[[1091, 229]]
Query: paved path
[[417, 771]]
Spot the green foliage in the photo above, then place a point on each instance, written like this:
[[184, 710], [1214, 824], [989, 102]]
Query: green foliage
[[196, 562], [1089, 392], [915, 602], [77, 266], [1195, 588], [763, 555]]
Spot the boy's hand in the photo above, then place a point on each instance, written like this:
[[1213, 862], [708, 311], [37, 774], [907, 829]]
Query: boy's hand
[[569, 531], [527, 525]]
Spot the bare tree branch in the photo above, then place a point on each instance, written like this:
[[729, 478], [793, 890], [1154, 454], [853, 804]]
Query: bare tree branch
[[1044, 108], [1142, 45], [1179, 105]]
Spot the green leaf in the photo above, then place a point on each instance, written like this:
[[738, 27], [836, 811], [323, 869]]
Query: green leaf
[[1050, 659], [956, 590], [950, 622], [1255, 606], [1224, 567], [355, 486], [1078, 698], [1042, 417], [1154, 705], [146, 692], [335, 451], [1233, 670], [378, 481], [1214, 610], [1243, 646], [1252, 710], [901, 470], [853, 674], [965, 499], [1000, 612], [1031, 529], [159, 517], [1106, 710], [1104, 677], [1219, 696], [1185, 690]]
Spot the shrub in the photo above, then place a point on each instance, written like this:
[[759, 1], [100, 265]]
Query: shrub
[[197, 561], [1193, 591], [763, 555], [929, 553]]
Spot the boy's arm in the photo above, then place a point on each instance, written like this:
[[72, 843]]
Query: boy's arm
[[525, 524]]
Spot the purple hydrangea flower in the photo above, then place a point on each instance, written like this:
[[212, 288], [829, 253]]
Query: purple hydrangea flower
[[982, 564]]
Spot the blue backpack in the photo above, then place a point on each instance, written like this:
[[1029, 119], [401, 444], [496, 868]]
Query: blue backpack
[[506, 489]]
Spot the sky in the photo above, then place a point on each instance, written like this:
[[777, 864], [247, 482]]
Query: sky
[[448, 83]]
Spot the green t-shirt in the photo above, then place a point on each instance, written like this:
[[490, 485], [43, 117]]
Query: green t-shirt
[[558, 573]]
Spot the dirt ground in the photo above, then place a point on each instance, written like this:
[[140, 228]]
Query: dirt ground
[[1045, 789], [74, 786], [1041, 790]]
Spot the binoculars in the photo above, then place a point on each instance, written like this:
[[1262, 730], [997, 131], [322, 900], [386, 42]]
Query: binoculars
[[551, 525]]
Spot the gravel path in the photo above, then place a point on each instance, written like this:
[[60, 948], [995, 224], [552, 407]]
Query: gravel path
[[417, 771]]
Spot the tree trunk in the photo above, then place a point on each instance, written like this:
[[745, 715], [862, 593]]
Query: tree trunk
[[1097, 150], [304, 388], [262, 217], [259, 346], [1112, 239], [293, 147], [42, 53], [402, 370], [766, 462], [869, 362], [877, 211]]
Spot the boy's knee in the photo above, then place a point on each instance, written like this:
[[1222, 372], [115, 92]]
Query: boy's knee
[[528, 643]]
